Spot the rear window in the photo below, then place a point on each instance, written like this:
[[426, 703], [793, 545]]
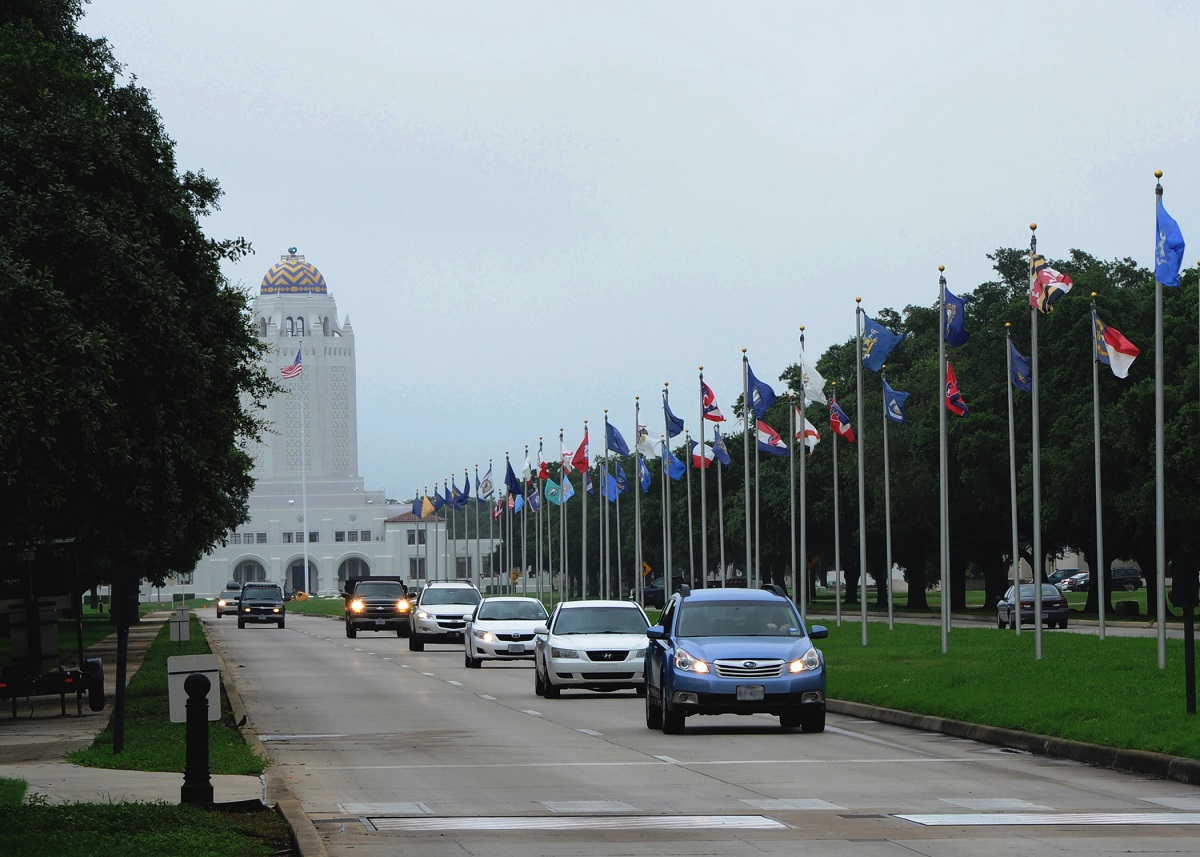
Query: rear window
[[378, 589], [261, 592]]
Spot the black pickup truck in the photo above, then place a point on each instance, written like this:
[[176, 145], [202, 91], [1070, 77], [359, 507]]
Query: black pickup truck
[[376, 604], [259, 603]]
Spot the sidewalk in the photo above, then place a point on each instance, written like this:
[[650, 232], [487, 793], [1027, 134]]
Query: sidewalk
[[33, 746]]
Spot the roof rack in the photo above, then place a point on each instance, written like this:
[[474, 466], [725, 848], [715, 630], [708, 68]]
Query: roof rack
[[775, 589]]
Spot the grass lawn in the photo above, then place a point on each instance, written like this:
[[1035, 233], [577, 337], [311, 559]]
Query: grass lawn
[[37, 829], [1107, 692], [152, 742], [317, 606]]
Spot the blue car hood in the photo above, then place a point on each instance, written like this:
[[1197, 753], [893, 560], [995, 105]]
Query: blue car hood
[[748, 648]]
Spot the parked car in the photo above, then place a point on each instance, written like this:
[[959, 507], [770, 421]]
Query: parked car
[[654, 593], [1128, 579], [227, 602], [1054, 607], [440, 613], [502, 629], [259, 603], [591, 645], [376, 604], [1076, 582], [1060, 575], [734, 651]]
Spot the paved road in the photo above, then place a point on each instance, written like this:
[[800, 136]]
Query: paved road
[[391, 751]]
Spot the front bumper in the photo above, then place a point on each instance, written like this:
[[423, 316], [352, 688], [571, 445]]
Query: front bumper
[[261, 614], [693, 694], [503, 647], [576, 672]]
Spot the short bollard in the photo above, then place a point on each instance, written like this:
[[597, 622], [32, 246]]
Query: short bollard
[[197, 784]]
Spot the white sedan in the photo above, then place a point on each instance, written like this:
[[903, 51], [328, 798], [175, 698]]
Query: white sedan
[[591, 645], [502, 629]]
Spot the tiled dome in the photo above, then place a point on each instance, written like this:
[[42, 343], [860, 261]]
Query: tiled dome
[[291, 275]]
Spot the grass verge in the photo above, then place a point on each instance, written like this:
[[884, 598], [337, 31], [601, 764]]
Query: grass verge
[[1108, 692], [152, 741], [39, 829]]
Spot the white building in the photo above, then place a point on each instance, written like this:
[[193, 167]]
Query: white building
[[309, 499]]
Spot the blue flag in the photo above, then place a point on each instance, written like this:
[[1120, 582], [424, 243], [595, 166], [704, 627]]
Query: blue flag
[[674, 423], [609, 488], [877, 343], [485, 489], [438, 500], [553, 492], [587, 480], [1168, 248], [535, 502], [511, 482], [761, 394], [719, 449], [1022, 375], [678, 468], [416, 507], [615, 442], [518, 503], [953, 330], [644, 475], [568, 490], [622, 480], [894, 403]]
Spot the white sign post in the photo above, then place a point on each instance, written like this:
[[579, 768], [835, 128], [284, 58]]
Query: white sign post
[[182, 666]]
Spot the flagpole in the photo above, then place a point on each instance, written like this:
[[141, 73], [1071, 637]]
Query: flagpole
[[862, 497], [539, 486], [583, 477], [1012, 475], [750, 436], [792, 485], [491, 536], [803, 487], [670, 569], [524, 532], [304, 469], [562, 521], [721, 521], [1096, 463], [601, 528], [1160, 542], [887, 498], [1038, 559], [703, 493], [478, 541], [837, 528], [605, 547], [944, 484], [617, 528], [687, 445], [423, 530], [757, 579], [637, 500]]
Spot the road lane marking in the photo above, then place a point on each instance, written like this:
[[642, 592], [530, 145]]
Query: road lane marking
[[670, 760], [640, 822], [591, 732], [794, 803], [574, 806], [455, 683], [487, 697], [658, 760], [1052, 818], [532, 713], [986, 803]]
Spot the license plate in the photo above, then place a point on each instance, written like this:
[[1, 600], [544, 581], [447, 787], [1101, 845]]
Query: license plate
[[380, 621], [749, 693], [516, 648]]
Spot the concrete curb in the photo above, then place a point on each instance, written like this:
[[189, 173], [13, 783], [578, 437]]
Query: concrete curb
[[308, 841], [1161, 765]]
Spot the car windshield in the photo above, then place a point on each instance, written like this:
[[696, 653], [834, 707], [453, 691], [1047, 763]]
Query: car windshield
[[1049, 590], [378, 590], [501, 610], [600, 620], [451, 596], [261, 592], [737, 619]]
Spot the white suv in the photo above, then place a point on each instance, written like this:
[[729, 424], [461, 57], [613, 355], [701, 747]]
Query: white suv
[[441, 613]]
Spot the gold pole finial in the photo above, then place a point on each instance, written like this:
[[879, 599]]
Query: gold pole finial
[[941, 269], [858, 300], [1033, 227], [1158, 174], [1007, 325], [1093, 295]]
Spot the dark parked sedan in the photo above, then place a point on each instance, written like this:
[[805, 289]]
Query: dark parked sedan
[[1054, 607]]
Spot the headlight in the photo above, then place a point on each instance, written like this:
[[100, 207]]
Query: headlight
[[276, 609], [687, 663], [402, 605], [356, 606], [486, 636], [556, 652], [422, 614], [220, 602], [641, 653], [245, 609], [810, 661]]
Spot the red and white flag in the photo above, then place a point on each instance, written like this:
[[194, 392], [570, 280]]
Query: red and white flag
[[708, 402], [1113, 348], [580, 459], [702, 455], [543, 467], [808, 434]]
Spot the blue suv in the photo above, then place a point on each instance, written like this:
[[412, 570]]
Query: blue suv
[[734, 651]]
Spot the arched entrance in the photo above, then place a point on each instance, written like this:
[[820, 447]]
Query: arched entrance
[[352, 567], [297, 580], [249, 571]]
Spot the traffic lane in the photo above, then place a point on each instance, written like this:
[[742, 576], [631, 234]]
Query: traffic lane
[[446, 749]]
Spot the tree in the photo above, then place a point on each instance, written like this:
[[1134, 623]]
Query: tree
[[129, 369]]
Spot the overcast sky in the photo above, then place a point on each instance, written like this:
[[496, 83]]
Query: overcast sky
[[531, 212]]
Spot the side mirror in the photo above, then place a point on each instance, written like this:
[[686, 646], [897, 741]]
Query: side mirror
[[656, 632], [817, 632], [541, 629]]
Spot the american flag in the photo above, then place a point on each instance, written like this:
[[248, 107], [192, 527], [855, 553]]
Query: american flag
[[289, 372]]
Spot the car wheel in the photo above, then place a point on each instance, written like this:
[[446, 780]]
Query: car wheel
[[281, 622], [1063, 623], [351, 631], [812, 721], [1000, 623], [790, 719], [653, 714], [539, 686], [241, 622], [473, 663], [548, 689], [640, 690], [415, 643], [672, 721], [402, 631]]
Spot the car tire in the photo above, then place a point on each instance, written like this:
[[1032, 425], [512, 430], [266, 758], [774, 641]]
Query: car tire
[[281, 622], [399, 632], [351, 631], [812, 721], [241, 622], [539, 686], [672, 721], [790, 719], [415, 643], [1062, 623], [549, 691], [1000, 623], [640, 690], [473, 663], [653, 714]]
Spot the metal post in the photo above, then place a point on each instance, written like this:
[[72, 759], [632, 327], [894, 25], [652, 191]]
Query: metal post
[[197, 784]]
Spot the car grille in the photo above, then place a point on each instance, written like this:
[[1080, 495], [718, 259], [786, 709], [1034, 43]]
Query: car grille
[[451, 623], [607, 676], [746, 668], [507, 637], [607, 655]]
